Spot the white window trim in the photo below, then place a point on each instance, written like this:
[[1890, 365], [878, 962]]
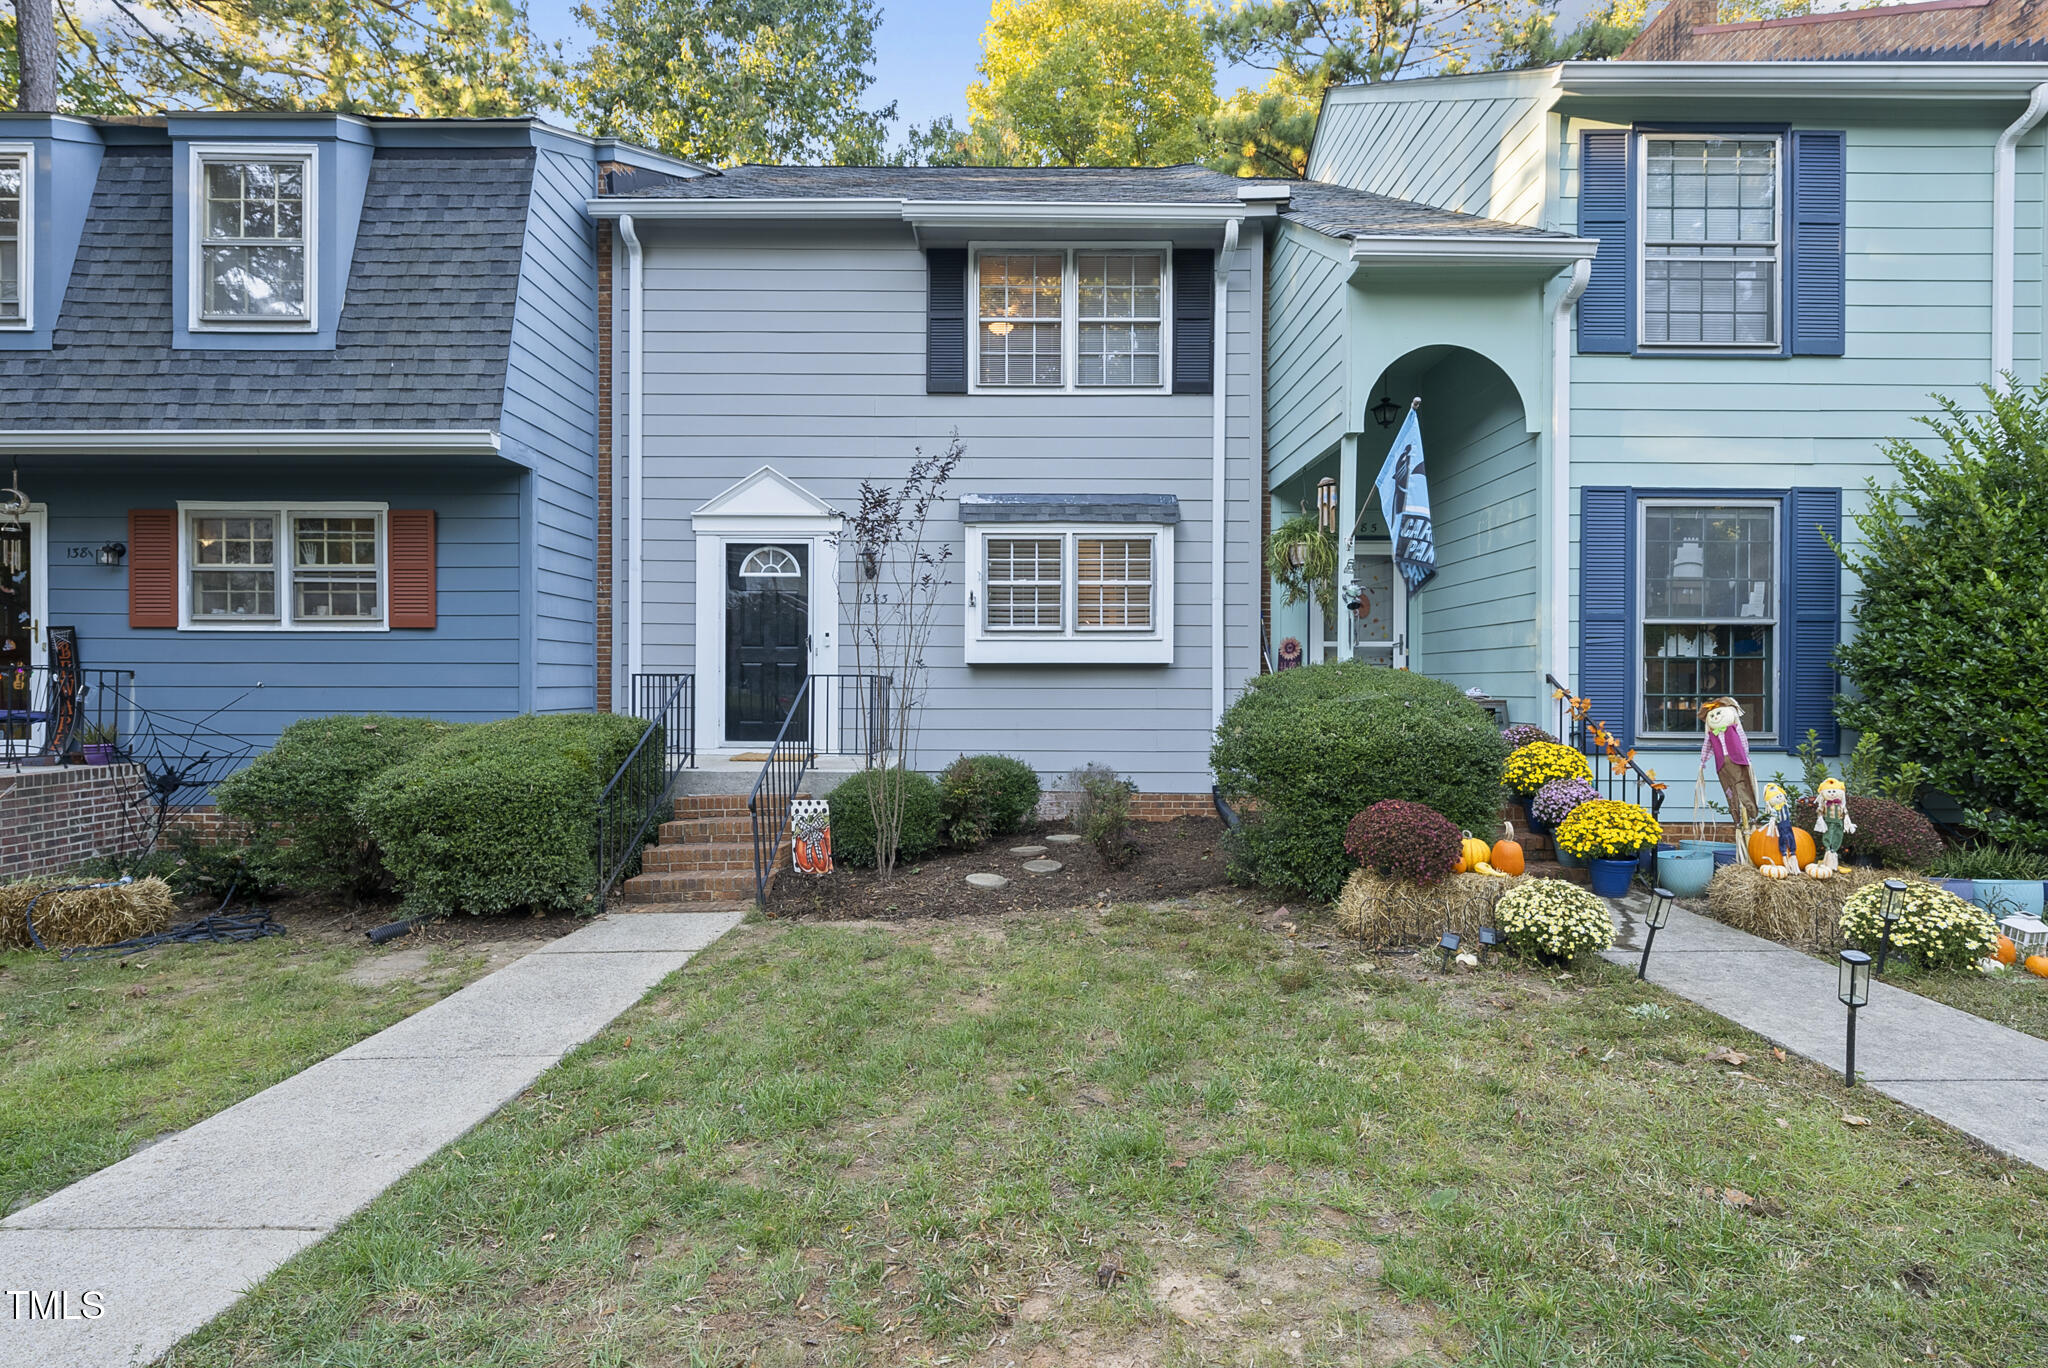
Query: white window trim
[[1070, 317], [287, 554], [1639, 687], [195, 265], [1776, 345], [1071, 644], [27, 153]]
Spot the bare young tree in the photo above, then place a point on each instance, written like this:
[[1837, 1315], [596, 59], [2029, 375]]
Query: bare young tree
[[900, 571]]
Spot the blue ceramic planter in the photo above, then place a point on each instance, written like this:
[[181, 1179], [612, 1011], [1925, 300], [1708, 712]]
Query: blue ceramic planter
[[1962, 888], [1610, 878], [2008, 897], [1685, 872]]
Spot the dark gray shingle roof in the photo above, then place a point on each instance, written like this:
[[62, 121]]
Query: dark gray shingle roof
[[1331, 209], [425, 326]]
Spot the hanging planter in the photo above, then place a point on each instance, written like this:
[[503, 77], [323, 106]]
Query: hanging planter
[[1302, 559]]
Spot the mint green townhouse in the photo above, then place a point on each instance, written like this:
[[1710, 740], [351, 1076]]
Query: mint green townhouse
[[1656, 354]]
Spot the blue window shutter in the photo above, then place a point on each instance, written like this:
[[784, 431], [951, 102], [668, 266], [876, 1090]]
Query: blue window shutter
[[1607, 591], [1607, 309], [1194, 321], [1819, 211], [945, 326], [1812, 618]]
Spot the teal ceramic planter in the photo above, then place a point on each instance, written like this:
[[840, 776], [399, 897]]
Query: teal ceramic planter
[[1685, 872], [2008, 897]]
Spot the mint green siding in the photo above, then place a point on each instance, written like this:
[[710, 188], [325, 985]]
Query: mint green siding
[[1472, 143], [1307, 376]]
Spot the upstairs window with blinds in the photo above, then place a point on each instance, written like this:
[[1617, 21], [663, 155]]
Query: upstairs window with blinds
[[1071, 319], [1710, 242], [14, 239]]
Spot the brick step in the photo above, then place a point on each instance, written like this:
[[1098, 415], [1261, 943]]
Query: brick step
[[695, 805], [694, 830], [669, 887], [685, 858]]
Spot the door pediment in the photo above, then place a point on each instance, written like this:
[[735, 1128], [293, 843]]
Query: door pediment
[[767, 495]]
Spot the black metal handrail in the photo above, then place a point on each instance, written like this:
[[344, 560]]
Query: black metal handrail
[[632, 803], [1615, 771], [841, 714], [54, 714]]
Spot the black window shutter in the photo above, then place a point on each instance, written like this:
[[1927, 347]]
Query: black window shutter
[[1812, 617], [1607, 309], [1819, 212], [1194, 321], [945, 320], [1607, 590]]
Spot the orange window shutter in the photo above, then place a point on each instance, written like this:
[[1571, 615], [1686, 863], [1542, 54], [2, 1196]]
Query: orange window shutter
[[411, 535], [152, 567]]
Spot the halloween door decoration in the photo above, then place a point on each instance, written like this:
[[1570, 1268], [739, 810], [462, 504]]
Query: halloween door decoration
[[810, 836], [1726, 749], [1404, 502], [1831, 821]]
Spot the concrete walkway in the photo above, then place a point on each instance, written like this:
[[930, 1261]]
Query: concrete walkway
[[1987, 1081], [175, 1235]]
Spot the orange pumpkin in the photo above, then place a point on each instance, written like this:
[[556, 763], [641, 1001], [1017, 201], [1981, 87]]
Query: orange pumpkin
[[1763, 849], [1472, 853], [1507, 852], [1803, 847], [2037, 964], [2007, 951]]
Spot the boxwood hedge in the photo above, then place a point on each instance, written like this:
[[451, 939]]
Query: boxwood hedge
[[1313, 747]]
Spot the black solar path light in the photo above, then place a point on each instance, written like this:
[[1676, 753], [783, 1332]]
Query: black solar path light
[[1657, 918], [1854, 990]]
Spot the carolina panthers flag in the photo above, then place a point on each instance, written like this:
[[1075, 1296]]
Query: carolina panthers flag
[[1404, 499]]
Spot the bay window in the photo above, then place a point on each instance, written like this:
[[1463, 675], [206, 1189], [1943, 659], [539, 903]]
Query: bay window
[[1069, 593]]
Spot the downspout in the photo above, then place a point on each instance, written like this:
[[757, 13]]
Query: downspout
[[1219, 487], [1560, 595], [636, 615], [2004, 232]]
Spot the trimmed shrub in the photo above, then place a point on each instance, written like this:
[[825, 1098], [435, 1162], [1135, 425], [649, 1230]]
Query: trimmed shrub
[[1313, 747], [1403, 841], [299, 798], [1935, 927], [984, 796], [1887, 833], [501, 815], [1949, 652], [1102, 812], [853, 817]]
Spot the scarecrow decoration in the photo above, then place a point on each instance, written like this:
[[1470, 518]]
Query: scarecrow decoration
[[1779, 821], [810, 836], [1832, 822], [1728, 749]]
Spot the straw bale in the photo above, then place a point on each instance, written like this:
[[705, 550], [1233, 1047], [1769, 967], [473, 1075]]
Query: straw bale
[[1796, 911], [1390, 912], [83, 916]]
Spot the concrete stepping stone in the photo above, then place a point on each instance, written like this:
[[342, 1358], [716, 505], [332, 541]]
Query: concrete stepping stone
[[1027, 850], [1064, 838], [989, 880], [1043, 866]]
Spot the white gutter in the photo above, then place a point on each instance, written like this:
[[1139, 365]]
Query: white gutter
[[636, 615], [250, 441], [1824, 80], [927, 213], [1551, 250], [1560, 510], [2004, 217], [1219, 484]]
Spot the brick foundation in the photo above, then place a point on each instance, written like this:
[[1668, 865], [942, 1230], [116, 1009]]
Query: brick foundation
[[59, 818], [1145, 807]]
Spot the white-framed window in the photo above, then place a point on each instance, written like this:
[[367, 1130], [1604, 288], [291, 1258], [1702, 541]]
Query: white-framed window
[[253, 217], [1067, 319], [1710, 213], [1707, 594], [300, 567], [1071, 593], [17, 235]]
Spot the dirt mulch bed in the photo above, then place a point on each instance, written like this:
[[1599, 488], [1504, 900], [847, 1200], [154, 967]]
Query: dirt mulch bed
[[1172, 859], [334, 919]]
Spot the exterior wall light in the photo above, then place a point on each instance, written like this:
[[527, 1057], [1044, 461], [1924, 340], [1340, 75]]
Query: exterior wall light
[[1854, 991], [1657, 918], [112, 553]]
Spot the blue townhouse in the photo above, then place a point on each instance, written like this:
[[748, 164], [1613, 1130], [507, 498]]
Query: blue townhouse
[[310, 401]]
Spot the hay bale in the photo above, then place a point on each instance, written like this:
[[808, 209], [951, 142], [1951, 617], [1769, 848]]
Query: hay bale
[[1390, 912], [83, 916], [1798, 911]]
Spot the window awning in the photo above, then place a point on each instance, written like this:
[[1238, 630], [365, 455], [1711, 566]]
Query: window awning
[[1066, 508]]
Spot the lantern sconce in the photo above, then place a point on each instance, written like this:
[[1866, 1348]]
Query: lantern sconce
[[1326, 503], [1658, 917], [1383, 412], [111, 554], [1854, 991]]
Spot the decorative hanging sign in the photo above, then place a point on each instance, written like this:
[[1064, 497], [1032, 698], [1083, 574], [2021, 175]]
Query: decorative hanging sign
[[810, 836], [1404, 502]]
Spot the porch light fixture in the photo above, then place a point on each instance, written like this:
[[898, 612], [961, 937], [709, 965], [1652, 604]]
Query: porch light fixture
[[1854, 991], [1326, 503], [112, 553], [1383, 412], [1448, 947], [1657, 918], [1894, 904]]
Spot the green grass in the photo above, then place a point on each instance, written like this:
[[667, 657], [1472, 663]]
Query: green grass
[[1167, 1135], [98, 1056]]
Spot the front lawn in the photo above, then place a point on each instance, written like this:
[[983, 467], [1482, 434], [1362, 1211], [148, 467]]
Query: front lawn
[[1168, 1134], [99, 1057]]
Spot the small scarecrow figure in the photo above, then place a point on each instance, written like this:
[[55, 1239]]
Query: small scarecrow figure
[[1727, 749], [1832, 822], [1778, 817]]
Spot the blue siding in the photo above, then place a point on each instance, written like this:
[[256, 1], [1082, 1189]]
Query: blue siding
[[550, 425], [466, 669]]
